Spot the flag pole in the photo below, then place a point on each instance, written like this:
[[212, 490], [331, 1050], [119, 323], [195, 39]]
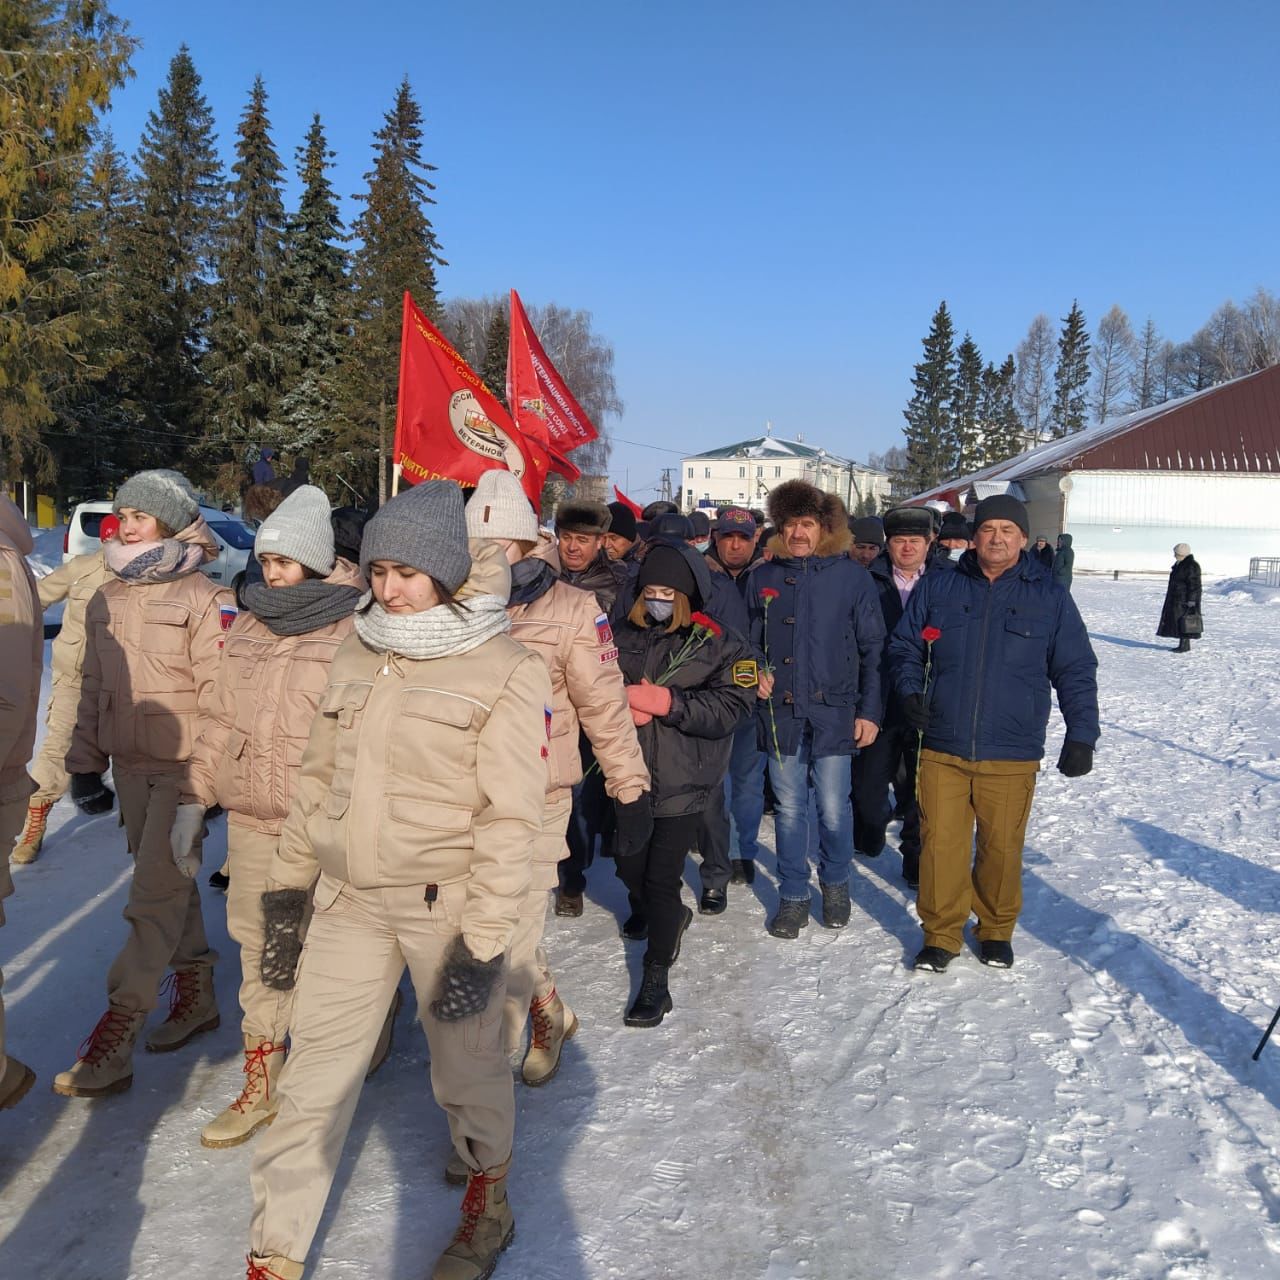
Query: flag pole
[[396, 469]]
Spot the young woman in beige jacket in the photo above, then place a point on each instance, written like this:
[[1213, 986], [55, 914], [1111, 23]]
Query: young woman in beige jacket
[[420, 797], [275, 667]]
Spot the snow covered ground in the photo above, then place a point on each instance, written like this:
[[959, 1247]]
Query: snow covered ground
[[811, 1109]]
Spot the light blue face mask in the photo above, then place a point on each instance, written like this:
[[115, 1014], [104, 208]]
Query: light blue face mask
[[955, 553], [701, 547], [660, 610]]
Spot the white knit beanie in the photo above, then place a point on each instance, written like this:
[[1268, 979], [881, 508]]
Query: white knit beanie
[[499, 509], [300, 529]]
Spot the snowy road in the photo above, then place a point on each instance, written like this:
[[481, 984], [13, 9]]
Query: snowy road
[[811, 1109]]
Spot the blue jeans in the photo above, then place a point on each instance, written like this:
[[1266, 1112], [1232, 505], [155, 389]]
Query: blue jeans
[[793, 778], [744, 794]]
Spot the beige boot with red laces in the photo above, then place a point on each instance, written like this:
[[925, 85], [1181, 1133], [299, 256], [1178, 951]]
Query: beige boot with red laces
[[553, 1022], [273, 1268], [28, 847], [486, 1230], [256, 1106], [104, 1064], [192, 1009]]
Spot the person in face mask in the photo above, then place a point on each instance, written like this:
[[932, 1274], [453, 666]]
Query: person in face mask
[[955, 535], [684, 719], [701, 540]]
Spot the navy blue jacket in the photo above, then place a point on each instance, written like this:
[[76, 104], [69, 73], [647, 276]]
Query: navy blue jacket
[[823, 639], [1003, 644]]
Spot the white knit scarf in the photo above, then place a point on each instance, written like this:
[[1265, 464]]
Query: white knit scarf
[[438, 632]]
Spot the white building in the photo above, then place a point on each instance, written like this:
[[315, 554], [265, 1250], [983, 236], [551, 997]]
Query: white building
[[1203, 469], [742, 474]]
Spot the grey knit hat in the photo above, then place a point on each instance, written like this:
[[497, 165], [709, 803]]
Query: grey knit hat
[[499, 509], [165, 494], [423, 527], [300, 529]]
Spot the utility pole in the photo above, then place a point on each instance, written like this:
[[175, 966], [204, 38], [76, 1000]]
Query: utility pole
[[664, 491]]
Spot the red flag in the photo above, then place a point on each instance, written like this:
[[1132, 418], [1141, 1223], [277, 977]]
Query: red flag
[[543, 406], [636, 509], [448, 424]]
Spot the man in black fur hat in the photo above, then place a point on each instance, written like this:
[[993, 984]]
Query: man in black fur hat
[[583, 561]]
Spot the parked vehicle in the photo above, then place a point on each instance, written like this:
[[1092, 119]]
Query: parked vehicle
[[234, 538]]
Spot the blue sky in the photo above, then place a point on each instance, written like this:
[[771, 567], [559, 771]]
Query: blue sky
[[762, 204]]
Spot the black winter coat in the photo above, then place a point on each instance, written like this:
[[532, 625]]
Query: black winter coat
[[1064, 560], [1182, 598], [881, 571], [687, 750]]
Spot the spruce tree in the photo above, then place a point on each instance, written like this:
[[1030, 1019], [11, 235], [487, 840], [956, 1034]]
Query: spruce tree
[[168, 261], [493, 368], [1071, 377], [966, 427], [1001, 425], [59, 62], [928, 412], [315, 322], [243, 366], [397, 250]]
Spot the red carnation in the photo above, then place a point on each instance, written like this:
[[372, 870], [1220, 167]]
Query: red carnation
[[769, 593], [930, 634], [701, 620]]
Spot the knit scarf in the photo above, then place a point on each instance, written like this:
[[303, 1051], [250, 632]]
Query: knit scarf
[[438, 632], [141, 562], [306, 606]]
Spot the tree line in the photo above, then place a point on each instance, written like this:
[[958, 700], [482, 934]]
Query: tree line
[[166, 312], [964, 415]]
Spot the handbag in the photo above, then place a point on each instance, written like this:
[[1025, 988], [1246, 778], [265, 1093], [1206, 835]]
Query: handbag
[[1192, 624]]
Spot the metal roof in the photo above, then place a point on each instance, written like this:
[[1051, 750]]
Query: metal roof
[[1233, 427], [763, 447]]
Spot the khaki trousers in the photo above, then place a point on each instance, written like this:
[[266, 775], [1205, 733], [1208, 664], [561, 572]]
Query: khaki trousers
[[265, 1013], [49, 769], [529, 975], [13, 814], [956, 794], [357, 946], [166, 929]]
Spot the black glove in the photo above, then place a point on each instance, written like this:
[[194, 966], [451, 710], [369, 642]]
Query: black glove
[[914, 712], [90, 794], [282, 912], [635, 825], [1076, 760], [465, 983]]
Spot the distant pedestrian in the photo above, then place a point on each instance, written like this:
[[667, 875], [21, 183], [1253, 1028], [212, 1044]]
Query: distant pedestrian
[[955, 535], [868, 539], [263, 472], [1180, 619], [1042, 551], [1064, 561]]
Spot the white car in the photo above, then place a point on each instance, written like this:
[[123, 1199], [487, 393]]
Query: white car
[[233, 536]]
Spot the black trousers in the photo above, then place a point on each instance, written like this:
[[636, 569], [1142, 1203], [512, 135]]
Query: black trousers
[[591, 816], [874, 768], [713, 841], [653, 879]]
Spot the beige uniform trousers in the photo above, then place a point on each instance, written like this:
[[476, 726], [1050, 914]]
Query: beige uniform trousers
[[356, 949], [954, 882], [13, 814], [265, 1013], [49, 769], [529, 976], [166, 929]]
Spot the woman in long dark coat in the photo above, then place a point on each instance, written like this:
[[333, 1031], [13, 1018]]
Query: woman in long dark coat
[[1180, 619]]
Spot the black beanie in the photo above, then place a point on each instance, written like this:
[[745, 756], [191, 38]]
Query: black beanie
[[666, 567], [867, 529], [1001, 506], [623, 522]]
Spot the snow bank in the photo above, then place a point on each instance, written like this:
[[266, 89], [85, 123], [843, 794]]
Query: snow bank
[[1242, 591]]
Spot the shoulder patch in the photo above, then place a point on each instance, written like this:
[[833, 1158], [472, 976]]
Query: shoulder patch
[[745, 674], [608, 655], [227, 614], [604, 632]]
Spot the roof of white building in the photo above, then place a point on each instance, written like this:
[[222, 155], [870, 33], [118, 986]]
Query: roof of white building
[[772, 447]]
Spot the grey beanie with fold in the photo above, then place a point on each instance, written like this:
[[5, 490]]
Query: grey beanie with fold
[[300, 529], [423, 527], [166, 495]]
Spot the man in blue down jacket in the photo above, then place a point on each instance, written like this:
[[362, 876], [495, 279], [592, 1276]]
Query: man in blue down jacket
[[815, 618], [1006, 632]]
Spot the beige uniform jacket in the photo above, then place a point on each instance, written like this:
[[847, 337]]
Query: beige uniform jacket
[[76, 582], [150, 666], [250, 747], [425, 773], [21, 651]]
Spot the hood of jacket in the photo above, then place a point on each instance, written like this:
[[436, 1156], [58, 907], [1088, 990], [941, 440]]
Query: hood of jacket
[[13, 525], [834, 542], [1065, 539], [696, 561]]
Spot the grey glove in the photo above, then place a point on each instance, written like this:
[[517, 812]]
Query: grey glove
[[282, 912], [465, 983]]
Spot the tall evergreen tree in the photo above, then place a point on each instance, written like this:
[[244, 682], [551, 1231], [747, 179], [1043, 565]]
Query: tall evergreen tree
[[168, 260], [316, 321], [1001, 424], [243, 366], [493, 368], [967, 430], [928, 412], [59, 62], [1071, 377], [397, 250]]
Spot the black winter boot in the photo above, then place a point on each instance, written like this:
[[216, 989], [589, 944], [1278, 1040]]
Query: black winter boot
[[654, 1001], [793, 915], [1184, 646], [744, 871], [835, 905]]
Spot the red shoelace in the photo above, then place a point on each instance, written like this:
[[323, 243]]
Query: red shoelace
[[110, 1033], [255, 1074]]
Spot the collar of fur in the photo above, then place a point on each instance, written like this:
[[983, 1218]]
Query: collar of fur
[[834, 542]]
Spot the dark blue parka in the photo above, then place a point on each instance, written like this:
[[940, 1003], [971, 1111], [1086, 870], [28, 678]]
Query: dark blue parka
[[823, 639], [881, 571], [1003, 644]]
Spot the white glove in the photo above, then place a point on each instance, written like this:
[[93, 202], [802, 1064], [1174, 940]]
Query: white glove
[[188, 827]]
